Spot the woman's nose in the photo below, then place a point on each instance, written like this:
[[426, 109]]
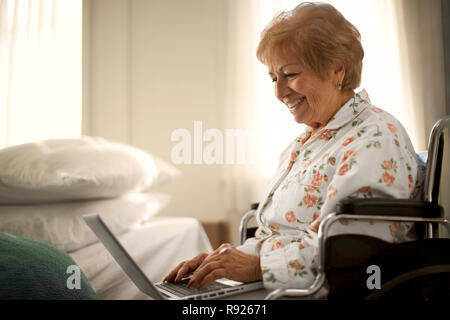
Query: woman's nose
[[281, 89]]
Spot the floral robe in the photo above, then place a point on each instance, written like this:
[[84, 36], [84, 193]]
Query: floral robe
[[363, 152]]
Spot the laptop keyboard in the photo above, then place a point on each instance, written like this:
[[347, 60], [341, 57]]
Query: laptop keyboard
[[180, 288]]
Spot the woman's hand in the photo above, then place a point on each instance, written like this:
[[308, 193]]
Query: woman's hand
[[185, 268], [225, 262]]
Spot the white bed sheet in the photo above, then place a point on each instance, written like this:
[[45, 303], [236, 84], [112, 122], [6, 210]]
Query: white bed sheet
[[157, 247]]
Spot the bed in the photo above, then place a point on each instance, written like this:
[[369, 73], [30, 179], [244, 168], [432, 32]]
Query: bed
[[157, 246], [47, 186]]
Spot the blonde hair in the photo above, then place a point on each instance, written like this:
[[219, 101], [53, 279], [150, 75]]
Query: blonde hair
[[319, 37]]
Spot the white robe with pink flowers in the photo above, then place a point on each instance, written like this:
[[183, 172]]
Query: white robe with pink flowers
[[363, 152]]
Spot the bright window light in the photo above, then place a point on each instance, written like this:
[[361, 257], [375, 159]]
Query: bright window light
[[40, 63]]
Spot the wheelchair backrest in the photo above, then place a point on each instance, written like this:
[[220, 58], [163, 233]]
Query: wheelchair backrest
[[437, 179]]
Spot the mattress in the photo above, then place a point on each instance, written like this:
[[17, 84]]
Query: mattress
[[157, 246]]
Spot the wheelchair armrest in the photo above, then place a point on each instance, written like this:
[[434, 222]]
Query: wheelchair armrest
[[390, 207], [243, 226], [378, 209]]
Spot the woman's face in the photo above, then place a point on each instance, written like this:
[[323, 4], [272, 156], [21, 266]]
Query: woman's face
[[310, 99]]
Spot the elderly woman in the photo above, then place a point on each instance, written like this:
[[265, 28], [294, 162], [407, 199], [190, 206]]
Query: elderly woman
[[350, 148]]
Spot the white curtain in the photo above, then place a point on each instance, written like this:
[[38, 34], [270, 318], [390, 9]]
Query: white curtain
[[422, 66], [402, 71], [40, 70]]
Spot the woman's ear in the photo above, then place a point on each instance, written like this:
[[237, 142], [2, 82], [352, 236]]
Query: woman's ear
[[339, 74], [339, 71]]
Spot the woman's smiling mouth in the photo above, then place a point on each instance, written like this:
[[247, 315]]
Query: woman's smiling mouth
[[292, 106]]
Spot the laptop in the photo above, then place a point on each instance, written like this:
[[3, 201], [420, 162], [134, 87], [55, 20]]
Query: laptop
[[163, 290]]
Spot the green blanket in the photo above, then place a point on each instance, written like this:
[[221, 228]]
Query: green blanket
[[34, 270]]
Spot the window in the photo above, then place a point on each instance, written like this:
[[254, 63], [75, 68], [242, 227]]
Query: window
[[40, 59]]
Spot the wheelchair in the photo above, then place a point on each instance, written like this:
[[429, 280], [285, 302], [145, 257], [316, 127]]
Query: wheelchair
[[413, 271]]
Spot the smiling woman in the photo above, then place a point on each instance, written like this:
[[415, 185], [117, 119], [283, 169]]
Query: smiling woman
[[348, 149], [310, 99], [403, 68], [40, 59], [314, 72]]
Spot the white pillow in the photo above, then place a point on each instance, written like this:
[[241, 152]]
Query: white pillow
[[73, 169], [61, 224]]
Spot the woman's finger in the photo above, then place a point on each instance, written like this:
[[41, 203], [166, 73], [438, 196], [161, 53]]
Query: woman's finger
[[203, 271], [216, 253], [171, 275], [211, 277], [213, 261], [190, 266], [185, 268]]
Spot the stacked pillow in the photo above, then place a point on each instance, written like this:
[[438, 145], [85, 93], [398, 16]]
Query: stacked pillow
[[47, 186]]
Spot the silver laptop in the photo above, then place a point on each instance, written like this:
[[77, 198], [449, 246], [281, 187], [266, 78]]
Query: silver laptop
[[163, 290]]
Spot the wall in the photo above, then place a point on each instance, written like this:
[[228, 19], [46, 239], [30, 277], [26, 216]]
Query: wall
[[151, 67], [446, 33]]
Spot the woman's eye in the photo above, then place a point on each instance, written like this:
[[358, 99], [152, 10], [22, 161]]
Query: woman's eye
[[287, 76], [290, 75]]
